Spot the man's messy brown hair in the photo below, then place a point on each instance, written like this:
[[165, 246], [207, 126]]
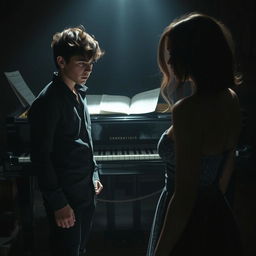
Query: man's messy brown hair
[[75, 41]]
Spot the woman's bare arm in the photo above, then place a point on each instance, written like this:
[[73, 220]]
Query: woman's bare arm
[[187, 134], [227, 171]]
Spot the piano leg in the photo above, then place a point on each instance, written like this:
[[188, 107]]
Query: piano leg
[[136, 204], [25, 189], [110, 206]]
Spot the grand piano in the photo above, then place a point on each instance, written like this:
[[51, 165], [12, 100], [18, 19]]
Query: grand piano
[[125, 146], [119, 140]]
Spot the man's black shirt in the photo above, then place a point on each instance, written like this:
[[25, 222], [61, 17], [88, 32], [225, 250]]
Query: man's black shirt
[[61, 145]]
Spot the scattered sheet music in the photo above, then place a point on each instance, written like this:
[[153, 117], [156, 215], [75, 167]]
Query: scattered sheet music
[[20, 88], [144, 102]]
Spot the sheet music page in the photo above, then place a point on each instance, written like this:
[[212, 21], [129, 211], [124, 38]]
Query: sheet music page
[[144, 102], [114, 104], [23, 102], [93, 103], [21, 89]]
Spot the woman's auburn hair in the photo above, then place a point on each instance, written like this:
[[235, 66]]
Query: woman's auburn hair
[[201, 49]]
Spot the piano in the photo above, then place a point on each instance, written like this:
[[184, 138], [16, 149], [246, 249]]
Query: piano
[[118, 140], [124, 146]]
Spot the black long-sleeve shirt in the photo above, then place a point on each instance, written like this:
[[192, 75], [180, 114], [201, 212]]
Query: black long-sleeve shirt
[[61, 145]]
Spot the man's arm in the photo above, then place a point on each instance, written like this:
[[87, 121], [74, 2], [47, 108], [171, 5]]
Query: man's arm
[[43, 118]]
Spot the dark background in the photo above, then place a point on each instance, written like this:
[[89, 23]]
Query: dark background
[[128, 30]]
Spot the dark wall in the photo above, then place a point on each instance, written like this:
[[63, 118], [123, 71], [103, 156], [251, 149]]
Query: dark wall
[[240, 17], [128, 30]]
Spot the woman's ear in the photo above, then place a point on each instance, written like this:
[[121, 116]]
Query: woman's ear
[[61, 62]]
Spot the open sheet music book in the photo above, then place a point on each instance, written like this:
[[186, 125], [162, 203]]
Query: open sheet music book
[[20, 88], [144, 102]]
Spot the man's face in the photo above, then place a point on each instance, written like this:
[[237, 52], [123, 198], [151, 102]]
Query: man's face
[[77, 69]]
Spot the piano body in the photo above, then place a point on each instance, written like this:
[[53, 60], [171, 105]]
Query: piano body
[[117, 139], [124, 146]]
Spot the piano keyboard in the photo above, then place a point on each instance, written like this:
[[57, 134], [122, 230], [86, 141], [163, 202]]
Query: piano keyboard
[[123, 155], [119, 155]]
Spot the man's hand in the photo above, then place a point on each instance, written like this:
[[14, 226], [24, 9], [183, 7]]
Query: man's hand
[[97, 186], [65, 217]]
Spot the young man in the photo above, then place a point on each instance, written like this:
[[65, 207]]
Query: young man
[[61, 143]]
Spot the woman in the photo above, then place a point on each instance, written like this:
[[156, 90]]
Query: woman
[[193, 215]]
